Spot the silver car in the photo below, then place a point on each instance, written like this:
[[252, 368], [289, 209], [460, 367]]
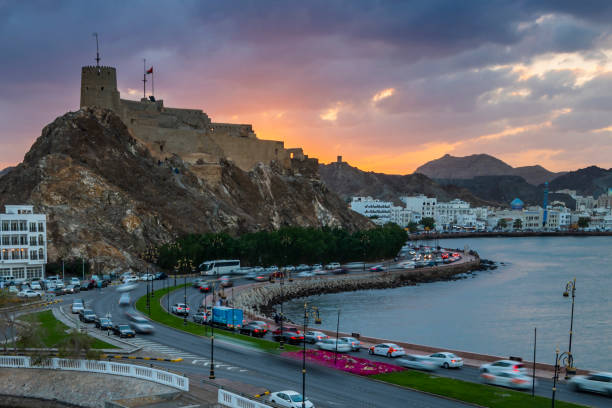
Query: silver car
[[314, 336], [355, 344], [595, 382], [417, 362]]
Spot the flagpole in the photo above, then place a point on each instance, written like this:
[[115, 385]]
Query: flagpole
[[144, 78], [153, 84]]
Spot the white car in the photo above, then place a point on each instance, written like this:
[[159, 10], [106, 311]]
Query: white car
[[180, 309], [147, 277], [503, 366], [314, 336], [305, 274], [130, 279], [124, 299], [407, 265], [289, 399], [418, 362], [332, 265], [75, 281], [29, 293], [508, 379], [77, 307], [595, 382], [447, 360], [330, 345], [387, 349], [35, 285], [355, 344]]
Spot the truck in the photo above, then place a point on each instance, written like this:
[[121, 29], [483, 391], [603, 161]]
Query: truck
[[227, 317]]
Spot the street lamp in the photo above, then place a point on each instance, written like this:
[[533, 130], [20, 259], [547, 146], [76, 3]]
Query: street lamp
[[184, 265], [567, 359], [570, 287], [315, 314], [282, 317]]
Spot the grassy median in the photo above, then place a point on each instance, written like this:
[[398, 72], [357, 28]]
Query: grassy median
[[159, 314], [481, 394], [55, 332]]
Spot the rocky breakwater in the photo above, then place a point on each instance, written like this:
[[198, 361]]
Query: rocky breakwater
[[259, 300]]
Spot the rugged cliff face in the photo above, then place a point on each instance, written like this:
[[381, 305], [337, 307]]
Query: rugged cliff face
[[106, 198]]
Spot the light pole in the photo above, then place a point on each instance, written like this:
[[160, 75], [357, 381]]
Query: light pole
[[566, 357], [282, 317], [212, 350], [315, 313], [570, 287]]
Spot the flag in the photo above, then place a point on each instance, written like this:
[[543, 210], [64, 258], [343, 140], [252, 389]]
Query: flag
[[150, 71]]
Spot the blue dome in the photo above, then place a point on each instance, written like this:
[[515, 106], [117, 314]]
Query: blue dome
[[517, 204]]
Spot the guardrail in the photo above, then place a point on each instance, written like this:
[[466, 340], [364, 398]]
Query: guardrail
[[104, 367], [229, 399]]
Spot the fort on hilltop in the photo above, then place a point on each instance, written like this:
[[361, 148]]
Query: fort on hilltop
[[188, 133]]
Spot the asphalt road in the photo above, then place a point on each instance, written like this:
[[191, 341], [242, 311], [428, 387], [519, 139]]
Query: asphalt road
[[325, 387]]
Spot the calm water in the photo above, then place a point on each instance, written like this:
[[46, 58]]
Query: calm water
[[495, 312]]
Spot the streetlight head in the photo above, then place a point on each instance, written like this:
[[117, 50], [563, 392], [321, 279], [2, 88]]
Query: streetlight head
[[565, 294]]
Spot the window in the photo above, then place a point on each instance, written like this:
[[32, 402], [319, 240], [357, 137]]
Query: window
[[34, 272], [23, 240], [18, 273], [41, 254], [5, 272], [41, 240], [23, 225], [41, 227], [14, 240], [5, 226], [4, 255], [32, 227], [32, 241], [33, 255], [14, 226], [6, 240]]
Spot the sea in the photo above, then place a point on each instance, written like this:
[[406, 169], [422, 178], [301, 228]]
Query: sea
[[498, 311]]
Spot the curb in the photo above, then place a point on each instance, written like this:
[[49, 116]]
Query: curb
[[171, 360]]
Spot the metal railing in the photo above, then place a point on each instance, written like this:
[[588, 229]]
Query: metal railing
[[105, 367]]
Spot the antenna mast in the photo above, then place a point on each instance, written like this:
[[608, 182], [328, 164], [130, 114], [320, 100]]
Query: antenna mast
[[144, 78], [97, 51]]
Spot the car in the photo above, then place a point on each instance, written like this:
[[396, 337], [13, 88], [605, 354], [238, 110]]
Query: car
[[13, 289], [377, 268], [261, 323], [595, 382], [29, 293], [123, 330], [253, 330], [75, 281], [200, 317], [35, 285], [288, 336], [446, 360], [124, 300], [139, 324], [225, 281], [147, 277], [313, 337], [103, 323], [87, 316], [289, 399], [71, 289], [261, 278], [87, 284], [205, 287], [130, 279], [160, 276], [508, 379], [387, 349], [332, 265], [502, 366], [355, 344], [330, 344], [197, 282], [180, 309], [305, 274], [417, 362], [57, 291]]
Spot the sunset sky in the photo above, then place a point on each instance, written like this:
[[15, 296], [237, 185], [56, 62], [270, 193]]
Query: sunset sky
[[389, 85]]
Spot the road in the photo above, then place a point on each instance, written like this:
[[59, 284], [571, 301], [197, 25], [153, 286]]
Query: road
[[325, 387]]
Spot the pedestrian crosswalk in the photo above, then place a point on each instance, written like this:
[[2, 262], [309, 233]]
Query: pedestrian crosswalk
[[175, 353]]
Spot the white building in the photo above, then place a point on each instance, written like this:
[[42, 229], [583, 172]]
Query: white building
[[401, 216], [378, 211], [421, 204], [23, 242], [455, 213]]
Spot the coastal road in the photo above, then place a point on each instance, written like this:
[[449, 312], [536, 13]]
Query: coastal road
[[326, 387]]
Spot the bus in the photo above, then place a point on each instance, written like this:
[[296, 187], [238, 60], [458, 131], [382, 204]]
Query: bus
[[219, 267]]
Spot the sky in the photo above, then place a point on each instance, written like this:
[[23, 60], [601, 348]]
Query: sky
[[389, 85]]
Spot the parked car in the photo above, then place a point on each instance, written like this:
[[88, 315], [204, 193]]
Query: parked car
[[200, 317], [377, 268], [355, 344], [29, 293], [331, 265], [594, 382], [75, 281], [508, 379], [123, 330], [289, 399], [253, 330], [313, 337], [331, 345], [147, 277], [57, 291], [305, 274], [130, 279], [103, 323], [180, 309], [160, 276], [503, 366], [447, 360], [71, 289], [417, 362], [87, 316], [387, 349], [35, 285]]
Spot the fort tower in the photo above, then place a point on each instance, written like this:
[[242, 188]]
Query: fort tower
[[99, 87]]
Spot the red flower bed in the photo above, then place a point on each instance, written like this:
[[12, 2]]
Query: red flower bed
[[345, 362]]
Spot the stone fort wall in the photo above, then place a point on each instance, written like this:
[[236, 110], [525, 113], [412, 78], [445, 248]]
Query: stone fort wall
[[189, 133]]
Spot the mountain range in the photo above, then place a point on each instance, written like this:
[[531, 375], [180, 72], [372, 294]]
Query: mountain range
[[452, 167]]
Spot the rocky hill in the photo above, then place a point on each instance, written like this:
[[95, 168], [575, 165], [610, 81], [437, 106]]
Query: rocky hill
[[4, 171], [451, 167], [591, 180], [106, 198], [348, 181]]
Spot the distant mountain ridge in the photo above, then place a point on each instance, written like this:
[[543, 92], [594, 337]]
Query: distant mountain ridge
[[591, 180], [348, 181], [467, 167], [4, 171]]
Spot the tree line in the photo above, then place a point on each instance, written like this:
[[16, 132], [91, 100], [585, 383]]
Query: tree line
[[286, 246]]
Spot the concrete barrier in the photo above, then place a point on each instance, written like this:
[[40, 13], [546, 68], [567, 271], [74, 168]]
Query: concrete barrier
[[229, 399]]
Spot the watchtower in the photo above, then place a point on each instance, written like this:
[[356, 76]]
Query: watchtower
[[99, 87]]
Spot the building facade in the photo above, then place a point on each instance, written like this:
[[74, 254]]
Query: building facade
[[426, 206], [23, 242], [378, 211]]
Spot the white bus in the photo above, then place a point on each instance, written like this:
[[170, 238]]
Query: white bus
[[220, 267]]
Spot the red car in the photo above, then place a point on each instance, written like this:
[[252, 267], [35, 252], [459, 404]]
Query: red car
[[205, 288]]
